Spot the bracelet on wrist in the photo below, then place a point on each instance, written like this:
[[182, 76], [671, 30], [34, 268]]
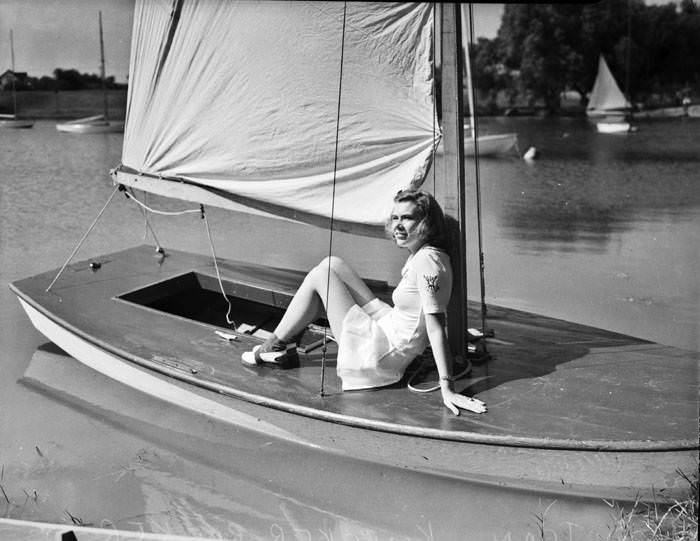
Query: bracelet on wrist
[[445, 378]]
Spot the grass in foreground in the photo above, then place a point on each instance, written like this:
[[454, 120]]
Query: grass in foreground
[[662, 520]]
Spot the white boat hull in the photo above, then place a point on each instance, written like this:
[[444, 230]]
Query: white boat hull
[[91, 127], [14, 123], [613, 127], [113, 366], [492, 145], [694, 111]]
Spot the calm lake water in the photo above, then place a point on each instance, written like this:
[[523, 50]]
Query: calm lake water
[[602, 230]]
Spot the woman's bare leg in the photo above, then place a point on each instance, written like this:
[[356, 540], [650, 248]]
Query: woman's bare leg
[[340, 284], [356, 286]]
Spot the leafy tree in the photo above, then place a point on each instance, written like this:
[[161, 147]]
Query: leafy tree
[[555, 47], [543, 42], [488, 73]]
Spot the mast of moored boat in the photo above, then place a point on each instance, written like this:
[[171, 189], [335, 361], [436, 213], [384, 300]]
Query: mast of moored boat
[[14, 89], [451, 190], [102, 69]]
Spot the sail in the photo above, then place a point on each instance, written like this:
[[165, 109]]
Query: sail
[[606, 96], [237, 103]]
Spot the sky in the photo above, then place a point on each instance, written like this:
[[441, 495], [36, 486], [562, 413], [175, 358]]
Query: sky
[[50, 34]]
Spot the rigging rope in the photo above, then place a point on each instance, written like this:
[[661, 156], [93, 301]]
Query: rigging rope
[[161, 212], [335, 170], [147, 223], [80, 243], [146, 208], [434, 150], [482, 280], [229, 319]]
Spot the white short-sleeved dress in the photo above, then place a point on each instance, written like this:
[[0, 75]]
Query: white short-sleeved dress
[[378, 341]]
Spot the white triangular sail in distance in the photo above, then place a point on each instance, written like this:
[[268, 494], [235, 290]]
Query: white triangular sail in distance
[[606, 97], [241, 112]]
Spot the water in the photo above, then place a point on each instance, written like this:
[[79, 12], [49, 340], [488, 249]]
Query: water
[[601, 230]]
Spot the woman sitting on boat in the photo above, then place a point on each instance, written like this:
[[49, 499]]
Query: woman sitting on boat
[[376, 342]]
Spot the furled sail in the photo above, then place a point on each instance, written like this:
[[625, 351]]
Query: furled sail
[[606, 97], [237, 103]]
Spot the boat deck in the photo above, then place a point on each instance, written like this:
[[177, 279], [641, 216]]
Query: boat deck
[[548, 383]]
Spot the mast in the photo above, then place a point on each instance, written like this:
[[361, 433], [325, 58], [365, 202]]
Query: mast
[[627, 55], [14, 76], [451, 191], [102, 69], [473, 125]]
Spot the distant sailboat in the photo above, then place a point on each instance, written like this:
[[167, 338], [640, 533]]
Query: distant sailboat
[[607, 104], [11, 120], [95, 123]]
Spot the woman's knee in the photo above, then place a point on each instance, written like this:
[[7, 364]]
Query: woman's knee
[[336, 263], [318, 276]]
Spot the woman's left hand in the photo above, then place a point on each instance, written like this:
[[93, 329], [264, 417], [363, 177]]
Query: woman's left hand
[[455, 402]]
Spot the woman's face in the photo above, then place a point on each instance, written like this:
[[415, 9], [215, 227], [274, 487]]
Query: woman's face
[[405, 225]]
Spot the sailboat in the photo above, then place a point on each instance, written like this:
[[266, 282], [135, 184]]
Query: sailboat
[[95, 123], [607, 105], [11, 120], [261, 128]]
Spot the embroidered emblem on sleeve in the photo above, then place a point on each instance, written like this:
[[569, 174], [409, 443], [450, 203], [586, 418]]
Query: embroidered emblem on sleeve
[[432, 283]]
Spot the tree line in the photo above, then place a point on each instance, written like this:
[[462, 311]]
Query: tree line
[[542, 50], [68, 79]]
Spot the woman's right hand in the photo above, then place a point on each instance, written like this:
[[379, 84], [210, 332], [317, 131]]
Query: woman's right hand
[[455, 402]]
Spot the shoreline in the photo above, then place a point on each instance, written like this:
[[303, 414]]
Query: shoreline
[[65, 105]]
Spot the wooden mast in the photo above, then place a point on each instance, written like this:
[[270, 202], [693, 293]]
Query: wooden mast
[[451, 190]]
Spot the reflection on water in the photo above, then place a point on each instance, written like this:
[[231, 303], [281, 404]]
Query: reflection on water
[[588, 186], [601, 230]]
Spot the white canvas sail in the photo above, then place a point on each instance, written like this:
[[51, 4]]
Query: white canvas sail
[[238, 101], [606, 97]]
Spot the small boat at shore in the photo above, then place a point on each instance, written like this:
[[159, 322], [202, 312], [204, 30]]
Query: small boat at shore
[[573, 410], [500, 144], [661, 112], [96, 123], [11, 120], [91, 124]]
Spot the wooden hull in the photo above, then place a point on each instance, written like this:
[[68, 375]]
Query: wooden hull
[[572, 409]]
